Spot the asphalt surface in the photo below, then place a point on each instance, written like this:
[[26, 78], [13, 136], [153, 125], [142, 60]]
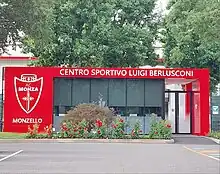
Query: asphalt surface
[[192, 139], [106, 158]]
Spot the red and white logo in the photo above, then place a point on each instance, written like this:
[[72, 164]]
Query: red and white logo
[[28, 91]]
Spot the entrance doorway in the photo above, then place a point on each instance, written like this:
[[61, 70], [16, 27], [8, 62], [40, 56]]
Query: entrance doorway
[[179, 110]]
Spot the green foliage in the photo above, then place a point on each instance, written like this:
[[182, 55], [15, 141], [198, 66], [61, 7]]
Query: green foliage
[[29, 17], [160, 129], [100, 130], [215, 134], [12, 135], [70, 129], [112, 33], [33, 132], [117, 129], [136, 131], [49, 131], [191, 36]]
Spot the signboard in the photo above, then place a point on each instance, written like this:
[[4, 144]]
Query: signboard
[[215, 110], [126, 72], [29, 90]]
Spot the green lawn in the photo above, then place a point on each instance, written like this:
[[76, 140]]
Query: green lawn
[[215, 134], [9, 135]]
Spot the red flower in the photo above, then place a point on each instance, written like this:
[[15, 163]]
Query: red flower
[[85, 129], [75, 130], [63, 127], [168, 126], [98, 123], [99, 132], [140, 130], [132, 133], [132, 130], [113, 126], [121, 120], [156, 132]]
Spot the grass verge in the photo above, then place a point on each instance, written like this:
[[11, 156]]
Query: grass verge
[[215, 134], [9, 135]]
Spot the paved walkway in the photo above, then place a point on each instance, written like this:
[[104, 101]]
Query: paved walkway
[[192, 139]]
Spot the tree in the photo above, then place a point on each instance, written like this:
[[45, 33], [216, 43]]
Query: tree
[[191, 35], [23, 17], [112, 33]]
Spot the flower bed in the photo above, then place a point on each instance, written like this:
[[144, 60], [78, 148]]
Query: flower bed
[[101, 130]]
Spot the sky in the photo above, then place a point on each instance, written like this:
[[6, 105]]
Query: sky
[[161, 7]]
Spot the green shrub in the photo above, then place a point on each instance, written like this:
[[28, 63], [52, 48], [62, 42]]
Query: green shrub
[[136, 131], [117, 129], [215, 134], [69, 129], [33, 131], [91, 113], [49, 131], [160, 129], [100, 130]]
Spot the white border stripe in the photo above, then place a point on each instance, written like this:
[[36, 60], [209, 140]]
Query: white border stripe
[[9, 156]]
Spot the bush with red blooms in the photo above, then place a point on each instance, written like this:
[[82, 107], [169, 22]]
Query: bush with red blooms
[[100, 130], [33, 131], [48, 131], [136, 131], [117, 130], [90, 112], [160, 129], [69, 129]]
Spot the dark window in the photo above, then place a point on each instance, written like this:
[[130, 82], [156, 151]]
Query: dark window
[[154, 92], [117, 92], [153, 110], [119, 110], [67, 108], [99, 90], [135, 111], [135, 92], [56, 110], [80, 91], [62, 91], [142, 96]]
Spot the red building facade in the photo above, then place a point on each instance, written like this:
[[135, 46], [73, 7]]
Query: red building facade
[[29, 92]]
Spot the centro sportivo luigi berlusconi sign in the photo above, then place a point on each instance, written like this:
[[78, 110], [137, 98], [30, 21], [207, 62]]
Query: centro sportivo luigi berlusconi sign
[[29, 90]]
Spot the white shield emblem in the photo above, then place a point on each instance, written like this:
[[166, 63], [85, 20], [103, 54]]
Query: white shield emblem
[[28, 91]]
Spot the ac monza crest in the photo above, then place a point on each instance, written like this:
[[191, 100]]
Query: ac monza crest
[[28, 89]]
